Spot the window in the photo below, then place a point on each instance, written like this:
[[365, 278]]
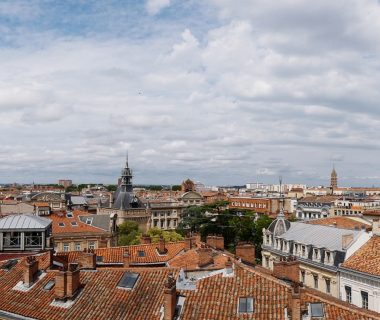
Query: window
[[348, 294], [99, 258], [66, 247], [141, 253], [303, 251], [89, 221], [128, 280], [267, 261], [91, 245], [61, 224], [69, 214], [303, 276], [328, 285], [315, 281], [328, 256], [316, 310], [246, 305], [316, 254], [9, 264], [77, 247], [74, 224], [49, 285], [364, 295]]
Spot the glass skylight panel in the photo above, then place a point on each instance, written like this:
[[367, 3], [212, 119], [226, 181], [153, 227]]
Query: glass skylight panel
[[128, 280], [141, 253], [50, 284], [69, 214], [61, 224], [246, 305], [9, 264], [99, 258], [74, 224], [316, 310]]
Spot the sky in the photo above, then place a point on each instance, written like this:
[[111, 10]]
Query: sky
[[221, 91]]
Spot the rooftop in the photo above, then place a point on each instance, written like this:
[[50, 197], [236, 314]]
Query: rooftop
[[24, 222]]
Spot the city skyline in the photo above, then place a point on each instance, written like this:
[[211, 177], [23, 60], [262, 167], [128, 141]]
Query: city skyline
[[219, 93]]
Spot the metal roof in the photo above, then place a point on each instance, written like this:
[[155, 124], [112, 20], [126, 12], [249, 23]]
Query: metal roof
[[317, 236], [24, 222]]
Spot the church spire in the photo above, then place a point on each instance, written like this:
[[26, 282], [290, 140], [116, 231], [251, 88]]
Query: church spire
[[334, 178]]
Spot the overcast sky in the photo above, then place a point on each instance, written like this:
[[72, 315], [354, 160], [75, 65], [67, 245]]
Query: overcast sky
[[221, 91]]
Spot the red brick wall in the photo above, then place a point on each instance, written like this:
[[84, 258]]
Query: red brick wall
[[287, 270], [246, 252]]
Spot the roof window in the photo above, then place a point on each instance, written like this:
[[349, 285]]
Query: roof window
[[128, 280], [89, 220], [246, 305], [61, 224], [49, 285], [69, 214], [141, 253], [99, 258], [74, 223], [316, 310], [9, 264]]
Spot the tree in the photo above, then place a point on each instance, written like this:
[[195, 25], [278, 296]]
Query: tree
[[129, 233], [169, 236], [111, 187], [176, 187]]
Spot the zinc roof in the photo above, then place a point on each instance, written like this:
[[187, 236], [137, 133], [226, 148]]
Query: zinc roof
[[23, 222]]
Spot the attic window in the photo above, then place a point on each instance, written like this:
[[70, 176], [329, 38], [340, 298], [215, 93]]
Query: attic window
[[9, 264], [69, 214], [50, 284], [99, 258], [61, 224], [89, 220], [141, 253], [128, 280], [316, 310], [74, 224], [246, 305]]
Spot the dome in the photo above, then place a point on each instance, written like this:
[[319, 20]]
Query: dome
[[279, 226]]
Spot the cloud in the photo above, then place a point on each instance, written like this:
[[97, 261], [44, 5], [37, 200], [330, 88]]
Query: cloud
[[155, 6]]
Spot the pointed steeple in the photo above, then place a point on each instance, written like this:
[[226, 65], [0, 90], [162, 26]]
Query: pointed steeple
[[334, 178]]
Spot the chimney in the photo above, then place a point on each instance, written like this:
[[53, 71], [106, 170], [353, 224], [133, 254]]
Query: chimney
[[287, 269], [60, 285], [296, 302], [73, 280], [216, 242], [161, 246], [126, 258], [347, 240], [87, 260], [376, 227], [246, 252], [228, 266], [188, 243], [170, 296], [205, 257], [30, 271], [145, 239]]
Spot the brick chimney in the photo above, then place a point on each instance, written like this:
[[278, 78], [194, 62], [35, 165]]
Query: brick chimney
[[87, 260], [67, 282], [161, 246], [347, 240], [296, 303], [188, 243], [170, 296], [30, 270], [287, 269], [246, 252], [145, 239], [126, 258], [216, 242], [205, 257]]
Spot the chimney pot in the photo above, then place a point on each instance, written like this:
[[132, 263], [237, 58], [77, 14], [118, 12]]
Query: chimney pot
[[170, 294]]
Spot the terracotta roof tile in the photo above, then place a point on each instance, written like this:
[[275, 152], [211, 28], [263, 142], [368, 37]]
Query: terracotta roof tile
[[342, 222]]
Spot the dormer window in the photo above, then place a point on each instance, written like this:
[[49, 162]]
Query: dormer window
[[303, 250], [316, 254], [267, 238], [246, 305], [296, 249], [328, 257]]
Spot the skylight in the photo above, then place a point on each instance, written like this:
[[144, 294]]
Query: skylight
[[69, 214], [74, 224], [246, 305], [128, 280], [50, 284], [141, 253], [316, 310], [9, 264], [61, 224], [99, 258]]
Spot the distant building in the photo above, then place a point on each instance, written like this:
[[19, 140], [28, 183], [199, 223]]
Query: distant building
[[65, 183], [165, 214], [188, 186], [334, 179]]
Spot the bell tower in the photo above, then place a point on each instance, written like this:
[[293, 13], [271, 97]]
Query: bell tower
[[334, 179]]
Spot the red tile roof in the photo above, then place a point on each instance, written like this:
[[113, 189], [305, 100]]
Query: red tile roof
[[367, 258], [80, 227], [115, 254], [342, 222]]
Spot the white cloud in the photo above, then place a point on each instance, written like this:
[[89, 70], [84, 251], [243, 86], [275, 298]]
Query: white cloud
[[155, 6]]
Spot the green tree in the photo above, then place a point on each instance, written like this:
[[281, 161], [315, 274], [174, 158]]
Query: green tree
[[128, 233], [176, 187], [111, 187], [169, 236]]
